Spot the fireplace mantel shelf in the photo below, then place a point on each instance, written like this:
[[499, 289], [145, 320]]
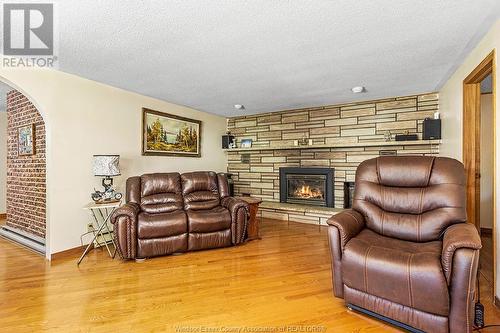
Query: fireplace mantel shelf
[[345, 145], [300, 208]]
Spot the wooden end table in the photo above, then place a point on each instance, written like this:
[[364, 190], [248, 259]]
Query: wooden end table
[[253, 223]]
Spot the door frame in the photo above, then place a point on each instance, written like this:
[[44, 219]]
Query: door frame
[[472, 143]]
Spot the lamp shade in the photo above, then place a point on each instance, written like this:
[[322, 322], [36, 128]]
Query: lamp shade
[[106, 165]]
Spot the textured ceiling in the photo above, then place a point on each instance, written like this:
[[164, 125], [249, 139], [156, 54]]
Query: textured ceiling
[[269, 55]]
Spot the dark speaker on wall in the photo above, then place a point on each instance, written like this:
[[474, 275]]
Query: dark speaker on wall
[[431, 129], [226, 140]]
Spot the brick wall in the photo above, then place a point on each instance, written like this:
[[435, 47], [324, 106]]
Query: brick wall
[[257, 171], [25, 174]]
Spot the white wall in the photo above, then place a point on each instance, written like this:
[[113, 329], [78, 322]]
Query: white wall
[[83, 118], [450, 105], [3, 160], [451, 97], [487, 169]]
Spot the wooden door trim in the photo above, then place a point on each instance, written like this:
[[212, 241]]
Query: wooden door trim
[[482, 70], [471, 143], [471, 147]]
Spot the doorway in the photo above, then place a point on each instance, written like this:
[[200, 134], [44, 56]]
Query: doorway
[[479, 158], [23, 167], [3, 152]]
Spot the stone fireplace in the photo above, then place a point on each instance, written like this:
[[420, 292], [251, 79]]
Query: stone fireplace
[[309, 186], [342, 137]]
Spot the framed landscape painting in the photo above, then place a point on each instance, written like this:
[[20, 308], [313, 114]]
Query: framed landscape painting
[[170, 135], [26, 140]]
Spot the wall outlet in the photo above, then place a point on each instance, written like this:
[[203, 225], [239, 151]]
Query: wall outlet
[[90, 227]]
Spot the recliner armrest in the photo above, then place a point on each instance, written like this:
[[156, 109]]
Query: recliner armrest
[[130, 210], [458, 236], [239, 211], [349, 223], [233, 204], [124, 221]]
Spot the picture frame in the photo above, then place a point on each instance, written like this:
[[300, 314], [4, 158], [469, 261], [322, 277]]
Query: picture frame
[[165, 134], [246, 143], [26, 140]]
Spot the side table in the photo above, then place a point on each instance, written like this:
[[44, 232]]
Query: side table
[[253, 223], [104, 211]]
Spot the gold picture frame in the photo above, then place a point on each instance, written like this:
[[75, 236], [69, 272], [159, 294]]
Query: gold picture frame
[[165, 134]]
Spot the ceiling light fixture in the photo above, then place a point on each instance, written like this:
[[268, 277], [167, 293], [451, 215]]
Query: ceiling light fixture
[[358, 89], [239, 106]]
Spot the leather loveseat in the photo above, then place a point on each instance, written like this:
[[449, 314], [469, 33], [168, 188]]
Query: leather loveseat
[[168, 213], [404, 251]]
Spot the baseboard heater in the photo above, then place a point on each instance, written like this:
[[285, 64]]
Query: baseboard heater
[[30, 241], [384, 318]]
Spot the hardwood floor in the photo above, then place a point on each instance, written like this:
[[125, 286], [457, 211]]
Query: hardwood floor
[[486, 260], [282, 280], [492, 313]]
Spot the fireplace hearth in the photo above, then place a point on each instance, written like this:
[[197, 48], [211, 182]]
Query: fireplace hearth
[[310, 186]]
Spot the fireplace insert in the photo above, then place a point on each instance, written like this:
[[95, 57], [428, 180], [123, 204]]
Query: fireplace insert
[[310, 186]]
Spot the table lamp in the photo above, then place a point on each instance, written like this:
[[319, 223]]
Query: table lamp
[[106, 166]]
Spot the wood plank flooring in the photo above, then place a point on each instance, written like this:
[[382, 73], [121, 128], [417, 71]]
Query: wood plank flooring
[[283, 280]]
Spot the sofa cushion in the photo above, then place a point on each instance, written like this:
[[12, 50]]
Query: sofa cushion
[[155, 183], [400, 271], [161, 203], [209, 240], [200, 190], [161, 225], [210, 220], [414, 203], [201, 200], [161, 193], [153, 247]]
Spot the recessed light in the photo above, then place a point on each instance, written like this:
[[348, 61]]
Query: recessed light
[[358, 89], [239, 106]]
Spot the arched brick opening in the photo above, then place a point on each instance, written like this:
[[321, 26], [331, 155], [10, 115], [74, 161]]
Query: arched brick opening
[[26, 173]]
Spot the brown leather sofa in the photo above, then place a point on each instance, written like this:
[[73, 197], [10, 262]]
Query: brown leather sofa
[[168, 213], [404, 251]]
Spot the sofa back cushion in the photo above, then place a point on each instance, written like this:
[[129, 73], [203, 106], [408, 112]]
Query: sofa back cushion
[[133, 192], [412, 198], [223, 181], [200, 190], [161, 193]]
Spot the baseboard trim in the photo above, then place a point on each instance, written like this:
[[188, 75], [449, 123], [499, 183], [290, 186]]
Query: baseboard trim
[[23, 238], [486, 231], [73, 252]]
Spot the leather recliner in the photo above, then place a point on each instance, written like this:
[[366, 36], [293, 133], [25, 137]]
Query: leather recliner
[[169, 213], [404, 250]]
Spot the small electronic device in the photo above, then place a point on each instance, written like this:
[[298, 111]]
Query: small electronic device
[[406, 137]]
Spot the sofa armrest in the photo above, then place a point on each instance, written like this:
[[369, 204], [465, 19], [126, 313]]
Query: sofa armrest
[[342, 227], [349, 223], [124, 220], [239, 211], [458, 236]]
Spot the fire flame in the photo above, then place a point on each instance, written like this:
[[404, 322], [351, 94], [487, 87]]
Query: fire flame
[[305, 191]]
